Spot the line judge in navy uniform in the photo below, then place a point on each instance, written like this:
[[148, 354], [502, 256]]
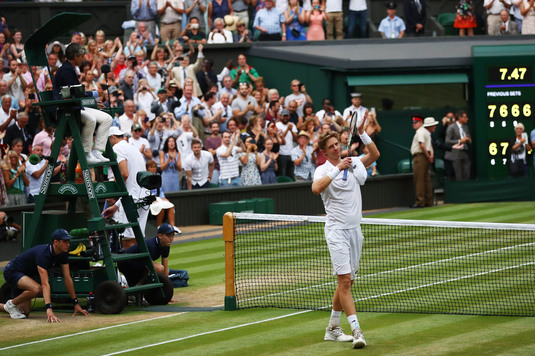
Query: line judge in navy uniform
[[158, 246], [22, 272], [66, 76]]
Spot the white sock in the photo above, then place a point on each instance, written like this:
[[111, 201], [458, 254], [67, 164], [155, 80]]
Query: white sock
[[335, 318], [353, 322]]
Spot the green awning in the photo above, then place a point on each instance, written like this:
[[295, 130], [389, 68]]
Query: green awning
[[400, 79]]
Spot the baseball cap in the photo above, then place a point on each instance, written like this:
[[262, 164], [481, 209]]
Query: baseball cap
[[131, 57], [115, 131], [112, 89], [285, 112], [61, 234], [162, 91], [167, 229], [136, 127]]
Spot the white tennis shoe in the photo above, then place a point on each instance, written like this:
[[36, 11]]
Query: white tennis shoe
[[336, 334], [98, 155], [13, 310], [358, 339]]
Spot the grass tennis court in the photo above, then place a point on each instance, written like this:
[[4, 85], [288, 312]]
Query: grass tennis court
[[273, 331]]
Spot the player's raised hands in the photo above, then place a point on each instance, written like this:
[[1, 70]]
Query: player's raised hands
[[360, 128]]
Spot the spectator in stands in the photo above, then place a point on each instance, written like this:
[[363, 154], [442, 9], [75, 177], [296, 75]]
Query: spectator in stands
[[518, 150], [254, 130], [217, 9], [295, 17], [134, 44], [415, 14], [126, 120], [219, 34], [358, 13], [372, 127], [299, 95], [516, 14], [243, 72], [189, 132], [139, 142], [187, 70], [193, 33], [35, 173], [158, 134], [15, 178], [15, 80], [465, 20], [289, 133], [128, 87], [44, 76], [4, 50], [304, 158], [17, 47], [392, 26], [356, 99], [227, 87], [211, 144], [294, 117], [206, 77], [189, 105], [146, 11], [3, 91], [7, 114], [144, 96], [224, 106], [170, 164], [329, 110], [4, 28], [170, 12], [244, 104], [45, 139], [272, 113], [308, 115], [251, 161], [334, 19], [506, 26], [20, 131], [527, 9], [271, 23], [196, 8], [242, 33], [199, 166], [153, 78], [268, 163], [494, 7], [227, 155], [315, 18], [165, 103]]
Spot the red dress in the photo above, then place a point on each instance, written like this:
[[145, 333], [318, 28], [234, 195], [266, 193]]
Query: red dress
[[465, 17]]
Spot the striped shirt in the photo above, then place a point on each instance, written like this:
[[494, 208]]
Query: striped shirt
[[228, 166]]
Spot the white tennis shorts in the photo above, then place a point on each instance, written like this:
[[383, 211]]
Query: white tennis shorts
[[345, 248]]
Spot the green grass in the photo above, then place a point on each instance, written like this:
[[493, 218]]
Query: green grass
[[200, 333]]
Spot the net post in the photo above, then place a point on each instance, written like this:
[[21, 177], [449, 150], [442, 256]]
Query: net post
[[228, 237]]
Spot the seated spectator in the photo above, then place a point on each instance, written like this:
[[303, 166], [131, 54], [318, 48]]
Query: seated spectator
[[193, 33], [126, 120], [58, 49], [250, 161], [145, 36], [219, 34], [304, 158], [15, 179], [295, 18], [211, 144], [372, 127], [134, 43], [309, 126], [17, 47], [392, 26], [292, 110], [144, 96], [218, 9], [272, 114], [371, 170], [199, 167], [506, 26], [270, 22], [315, 18], [242, 33], [45, 139], [259, 85]]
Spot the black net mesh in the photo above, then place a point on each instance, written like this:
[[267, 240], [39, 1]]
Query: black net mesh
[[447, 267]]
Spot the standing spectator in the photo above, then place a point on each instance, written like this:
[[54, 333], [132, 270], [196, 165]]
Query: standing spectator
[[127, 87], [187, 70], [153, 78], [289, 133], [4, 50], [145, 97], [423, 154], [254, 130], [3, 27], [415, 16], [251, 161], [158, 134], [244, 104], [268, 163], [299, 95], [392, 26], [327, 109], [146, 11], [196, 8], [241, 9], [45, 139], [211, 144], [206, 77], [15, 81], [304, 158], [164, 103], [217, 9], [227, 87], [15, 178], [199, 167], [458, 133], [243, 73], [334, 19], [494, 7], [516, 6], [270, 22], [20, 131], [186, 137], [372, 127], [189, 105], [224, 106], [139, 142], [294, 117], [518, 149], [126, 120], [227, 155], [295, 17], [527, 9], [170, 12], [170, 163], [308, 115], [17, 47], [465, 20], [7, 113], [506, 26], [315, 18], [358, 12]]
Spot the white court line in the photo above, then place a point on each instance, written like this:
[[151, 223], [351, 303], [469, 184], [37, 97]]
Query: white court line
[[306, 311], [87, 332], [394, 270]]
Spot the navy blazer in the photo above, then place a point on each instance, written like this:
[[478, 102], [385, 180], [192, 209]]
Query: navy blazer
[[66, 75]]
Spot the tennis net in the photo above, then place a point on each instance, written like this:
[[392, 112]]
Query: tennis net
[[411, 266]]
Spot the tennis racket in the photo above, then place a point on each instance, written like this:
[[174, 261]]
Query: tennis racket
[[352, 126]]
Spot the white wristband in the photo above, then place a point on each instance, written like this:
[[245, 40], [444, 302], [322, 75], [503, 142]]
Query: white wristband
[[365, 138], [333, 173]]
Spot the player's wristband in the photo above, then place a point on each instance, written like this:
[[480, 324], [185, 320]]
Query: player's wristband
[[365, 138], [334, 172], [48, 306], [75, 301]]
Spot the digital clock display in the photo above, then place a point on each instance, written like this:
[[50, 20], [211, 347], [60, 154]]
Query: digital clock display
[[510, 74]]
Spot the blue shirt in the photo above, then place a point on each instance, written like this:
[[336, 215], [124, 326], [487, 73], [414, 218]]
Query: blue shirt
[[187, 108], [144, 13], [391, 28], [306, 169], [40, 255], [270, 20]]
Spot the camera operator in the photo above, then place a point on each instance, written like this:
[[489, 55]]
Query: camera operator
[[9, 229]]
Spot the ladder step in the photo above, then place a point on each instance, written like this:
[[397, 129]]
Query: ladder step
[[102, 164], [142, 287], [118, 226], [80, 258], [111, 195], [128, 256]]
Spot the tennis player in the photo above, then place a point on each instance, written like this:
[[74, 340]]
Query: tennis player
[[343, 204]]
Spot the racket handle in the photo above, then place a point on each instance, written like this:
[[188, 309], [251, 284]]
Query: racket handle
[[345, 174]]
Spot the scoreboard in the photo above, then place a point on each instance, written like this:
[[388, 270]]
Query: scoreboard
[[504, 95]]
